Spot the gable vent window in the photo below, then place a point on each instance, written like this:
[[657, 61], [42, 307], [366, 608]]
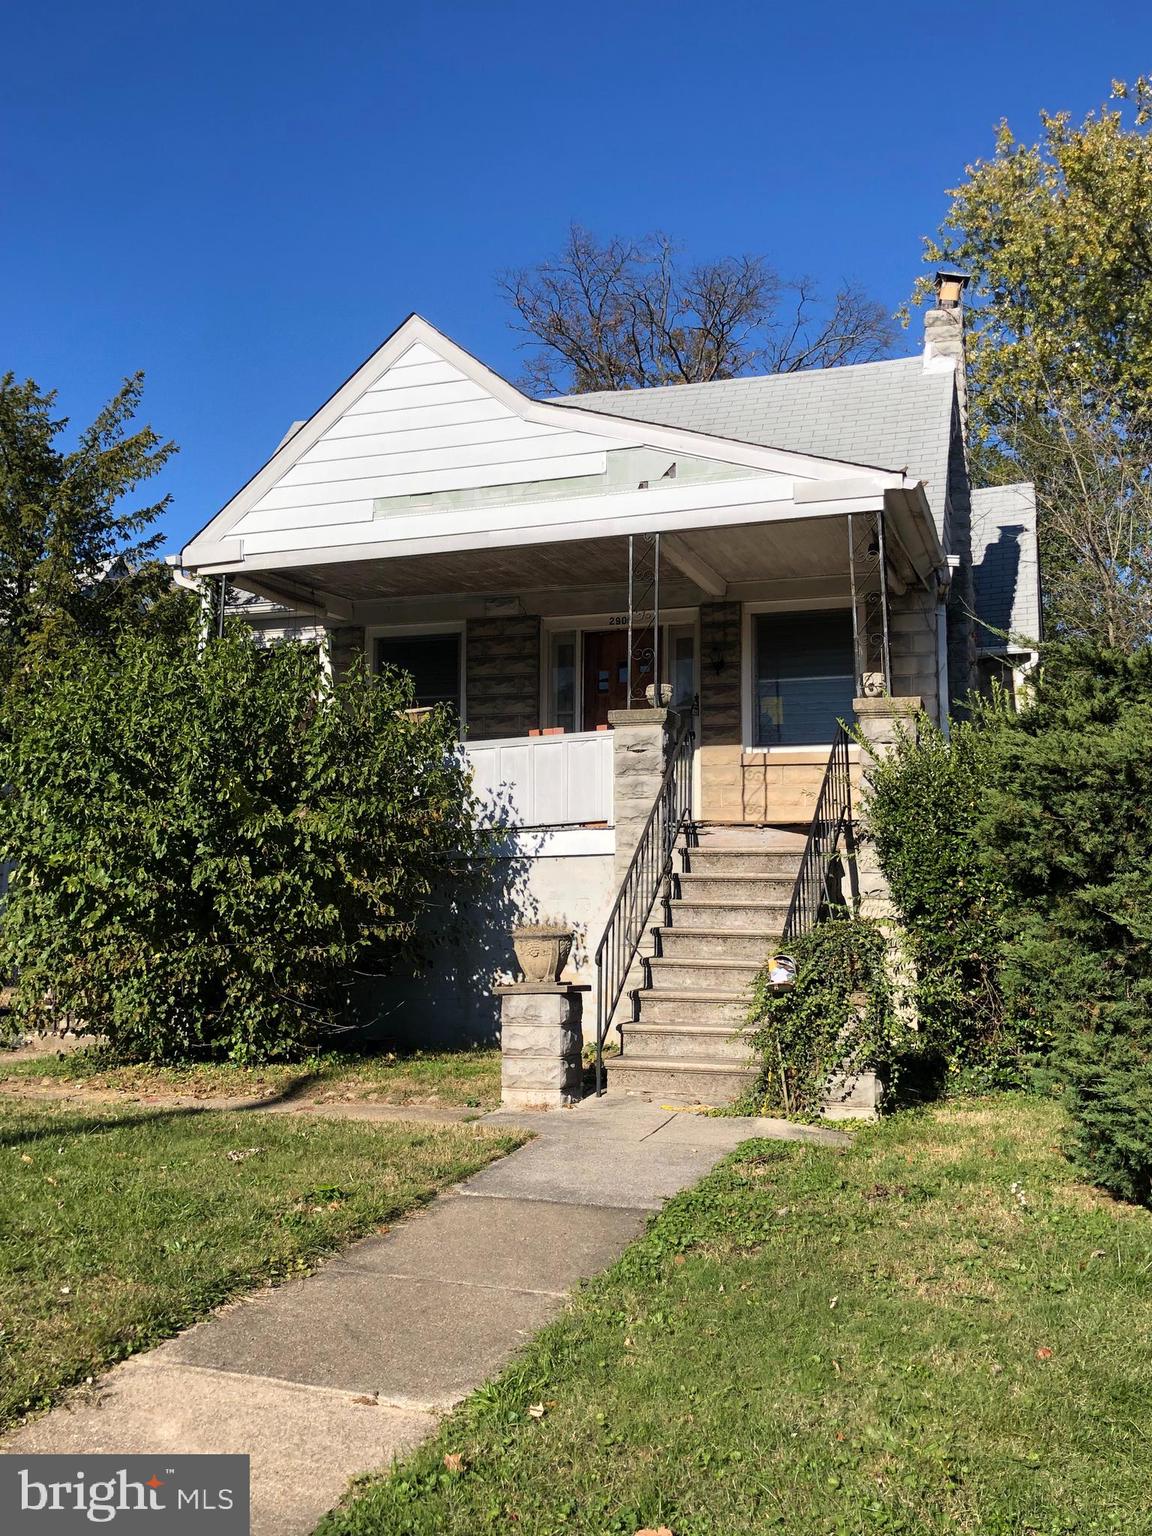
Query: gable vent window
[[433, 662], [804, 679]]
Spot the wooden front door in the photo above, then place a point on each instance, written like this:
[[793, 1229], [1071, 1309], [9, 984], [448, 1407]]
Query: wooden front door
[[606, 676]]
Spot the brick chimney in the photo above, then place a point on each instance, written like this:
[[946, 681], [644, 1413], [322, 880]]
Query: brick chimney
[[944, 332]]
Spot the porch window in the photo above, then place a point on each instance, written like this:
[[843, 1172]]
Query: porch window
[[433, 661], [804, 677], [564, 679], [680, 651]]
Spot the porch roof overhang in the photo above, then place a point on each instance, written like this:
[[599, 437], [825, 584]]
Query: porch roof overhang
[[734, 539]]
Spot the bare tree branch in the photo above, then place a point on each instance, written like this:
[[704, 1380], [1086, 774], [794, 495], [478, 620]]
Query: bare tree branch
[[1094, 503], [625, 315]]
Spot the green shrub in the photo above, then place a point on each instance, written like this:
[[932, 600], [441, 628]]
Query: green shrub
[[1068, 827], [837, 1019], [924, 813], [207, 846]]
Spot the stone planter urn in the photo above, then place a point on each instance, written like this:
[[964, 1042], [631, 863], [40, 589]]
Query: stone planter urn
[[665, 695], [542, 950]]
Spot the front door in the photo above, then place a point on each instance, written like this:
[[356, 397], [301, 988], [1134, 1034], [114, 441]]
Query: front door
[[606, 676]]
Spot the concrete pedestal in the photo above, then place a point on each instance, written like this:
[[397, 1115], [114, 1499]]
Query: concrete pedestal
[[540, 1045], [880, 722]]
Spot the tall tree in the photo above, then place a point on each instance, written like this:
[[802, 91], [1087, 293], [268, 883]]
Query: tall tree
[[1094, 506], [625, 314], [1057, 237], [74, 560]]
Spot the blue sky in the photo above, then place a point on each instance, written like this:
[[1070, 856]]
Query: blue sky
[[244, 199]]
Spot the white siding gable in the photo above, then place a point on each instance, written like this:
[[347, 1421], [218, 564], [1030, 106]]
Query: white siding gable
[[423, 447], [422, 427]]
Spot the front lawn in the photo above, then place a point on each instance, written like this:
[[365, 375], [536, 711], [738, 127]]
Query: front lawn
[[455, 1078], [937, 1331], [119, 1227]]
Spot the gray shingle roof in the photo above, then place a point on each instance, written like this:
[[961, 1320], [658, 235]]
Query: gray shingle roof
[[1005, 565], [891, 415]]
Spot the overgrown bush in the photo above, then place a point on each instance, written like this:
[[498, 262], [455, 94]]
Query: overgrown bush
[[925, 811], [1067, 826], [837, 1019], [207, 846]]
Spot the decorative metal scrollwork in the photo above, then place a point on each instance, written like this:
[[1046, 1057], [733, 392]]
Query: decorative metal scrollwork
[[643, 615], [867, 571]]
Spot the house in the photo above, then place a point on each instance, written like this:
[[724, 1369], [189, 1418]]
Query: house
[[772, 551]]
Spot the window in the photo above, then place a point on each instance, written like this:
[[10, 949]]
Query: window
[[680, 666], [564, 679], [804, 678], [433, 662]]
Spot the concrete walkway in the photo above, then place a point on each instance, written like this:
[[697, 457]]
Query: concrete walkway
[[327, 1377]]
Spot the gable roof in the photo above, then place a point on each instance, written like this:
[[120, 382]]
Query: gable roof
[[406, 446], [897, 414]]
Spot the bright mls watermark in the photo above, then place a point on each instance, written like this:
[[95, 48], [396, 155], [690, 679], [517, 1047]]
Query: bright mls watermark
[[137, 1495]]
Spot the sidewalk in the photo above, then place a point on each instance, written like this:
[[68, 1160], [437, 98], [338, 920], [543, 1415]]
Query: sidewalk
[[328, 1377]]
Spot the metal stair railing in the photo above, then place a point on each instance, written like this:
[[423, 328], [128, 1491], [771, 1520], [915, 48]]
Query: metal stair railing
[[647, 874], [832, 824]]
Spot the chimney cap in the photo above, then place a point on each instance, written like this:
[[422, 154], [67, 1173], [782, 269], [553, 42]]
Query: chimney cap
[[950, 286]]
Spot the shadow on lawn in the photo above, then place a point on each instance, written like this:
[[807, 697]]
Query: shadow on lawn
[[117, 1116]]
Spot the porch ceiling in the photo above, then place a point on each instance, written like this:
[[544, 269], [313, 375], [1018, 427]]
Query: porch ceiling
[[744, 553]]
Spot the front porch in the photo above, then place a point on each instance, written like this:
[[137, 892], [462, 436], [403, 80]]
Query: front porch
[[764, 633]]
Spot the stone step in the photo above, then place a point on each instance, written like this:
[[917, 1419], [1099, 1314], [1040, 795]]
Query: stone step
[[774, 839], [726, 1010], [703, 975], [721, 860], [739, 916], [679, 1082], [746, 888], [698, 1042], [696, 943]]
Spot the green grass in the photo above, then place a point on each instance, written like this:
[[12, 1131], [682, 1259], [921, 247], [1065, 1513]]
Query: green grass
[[118, 1228], [935, 1331], [456, 1078]]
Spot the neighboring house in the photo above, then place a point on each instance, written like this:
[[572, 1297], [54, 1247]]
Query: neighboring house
[[815, 544], [1006, 583]]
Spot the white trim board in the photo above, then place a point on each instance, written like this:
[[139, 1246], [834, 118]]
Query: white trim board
[[559, 843]]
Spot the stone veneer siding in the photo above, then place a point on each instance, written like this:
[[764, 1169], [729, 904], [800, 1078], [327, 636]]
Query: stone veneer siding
[[502, 670], [915, 642], [345, 644], [721, 728]]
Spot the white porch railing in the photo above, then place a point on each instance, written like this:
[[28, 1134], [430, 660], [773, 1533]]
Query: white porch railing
[[545, 781]]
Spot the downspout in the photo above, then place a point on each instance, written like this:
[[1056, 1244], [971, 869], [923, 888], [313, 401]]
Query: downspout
[[943, 691], [198, 585]]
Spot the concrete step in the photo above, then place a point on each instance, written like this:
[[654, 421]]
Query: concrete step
[[723, 1010], [695, 1042], [746, 888], [679, 1082], [704, 975], [739, 916], [696, 943], [722, 860], [774, 839]]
